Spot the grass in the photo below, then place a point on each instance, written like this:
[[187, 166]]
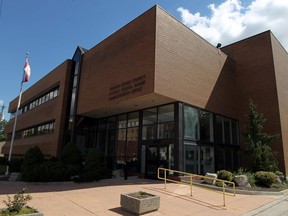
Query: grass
[[24, 210]]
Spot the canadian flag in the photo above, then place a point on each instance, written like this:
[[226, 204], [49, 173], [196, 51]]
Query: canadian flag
[[27, 71]]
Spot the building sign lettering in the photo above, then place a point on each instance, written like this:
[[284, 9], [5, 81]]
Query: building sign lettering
[[127, 87]]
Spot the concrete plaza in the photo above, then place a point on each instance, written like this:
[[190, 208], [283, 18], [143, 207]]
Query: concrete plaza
[[103, 198]]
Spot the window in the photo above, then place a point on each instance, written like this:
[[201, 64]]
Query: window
[[150, 116], [191, 122], [235, 136], [158, 123], [206, 126], [166, 113], [227, 131], [219, 129], [37, 102]]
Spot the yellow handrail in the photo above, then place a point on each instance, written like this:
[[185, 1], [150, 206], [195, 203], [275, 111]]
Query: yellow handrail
[[191, 176]]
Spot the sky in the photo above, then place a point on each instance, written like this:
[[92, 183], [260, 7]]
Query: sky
[[51, 30]]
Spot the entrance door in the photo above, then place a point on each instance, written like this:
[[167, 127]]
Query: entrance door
[[199, 159], [157, 156]]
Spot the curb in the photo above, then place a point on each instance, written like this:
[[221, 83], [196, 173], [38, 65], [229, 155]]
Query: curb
[[244, 192]]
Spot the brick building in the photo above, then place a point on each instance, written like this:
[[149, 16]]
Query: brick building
[[155, 93]]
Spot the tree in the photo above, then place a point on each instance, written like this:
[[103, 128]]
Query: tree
[[3, 124], [257, 143]]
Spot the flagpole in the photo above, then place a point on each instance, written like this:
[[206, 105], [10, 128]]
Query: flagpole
[[15, 121]]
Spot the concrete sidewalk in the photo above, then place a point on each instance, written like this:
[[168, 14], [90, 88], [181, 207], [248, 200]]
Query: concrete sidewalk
[[103, 198]]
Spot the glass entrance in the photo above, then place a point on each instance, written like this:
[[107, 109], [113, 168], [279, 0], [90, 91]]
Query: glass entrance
[[199, 159], [158, 156]]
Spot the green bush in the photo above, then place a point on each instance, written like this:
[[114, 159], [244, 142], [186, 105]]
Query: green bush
[[15, 164], [94, 168], [265, 178], [30, 169], [251, 178], [3, 161], [224, 175], [241, 171], [17, 203], [33, 156], [71, 154], [278, 173], [49, 171], [3, 169], [71, 157]]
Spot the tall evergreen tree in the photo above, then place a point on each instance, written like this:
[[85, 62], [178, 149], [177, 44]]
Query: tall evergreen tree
[[3, 124], [257, 143]]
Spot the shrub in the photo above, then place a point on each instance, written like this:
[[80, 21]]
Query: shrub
[[241, 171], [251, 178], [15, 164], [18, 202], [51, 171], [71, 157], [224, 175], [71, 154], [265, 178], [32, 160], [278, 173], [33, 156], [94, 168], [3, 161]]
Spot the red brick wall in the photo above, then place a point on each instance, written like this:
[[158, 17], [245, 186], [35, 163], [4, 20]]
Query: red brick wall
[[121, 59], [191, 70], [54, 109], [255, 74], [281, 72]]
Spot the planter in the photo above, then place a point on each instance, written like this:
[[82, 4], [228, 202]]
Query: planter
[[139, 202]]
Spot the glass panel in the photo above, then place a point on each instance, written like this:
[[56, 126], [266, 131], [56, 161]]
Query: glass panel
[[72, 106], [56, 92], [206, 126], [110, 148], [132, 143], [133, 119], [227, 130], [150, 116], [220, 159], [111, 123], [152, 153], [166, 130], [151, 161], [121, 146], [207, 159], [235, 140], [191, 159], [143, 158], [171, 157], [75, 81], [219, 129], [163, 153], [101, 135], [149, 132], [229, 159], [190, 123], [122, 120], [166, 113]]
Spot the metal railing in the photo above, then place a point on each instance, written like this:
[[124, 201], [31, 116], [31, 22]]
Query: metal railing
[[191, 177]]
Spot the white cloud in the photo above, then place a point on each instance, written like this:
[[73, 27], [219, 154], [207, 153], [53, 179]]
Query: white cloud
[[231, 21]]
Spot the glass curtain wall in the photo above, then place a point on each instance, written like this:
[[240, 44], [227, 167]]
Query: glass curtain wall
[[127, 140], [210, 141]]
